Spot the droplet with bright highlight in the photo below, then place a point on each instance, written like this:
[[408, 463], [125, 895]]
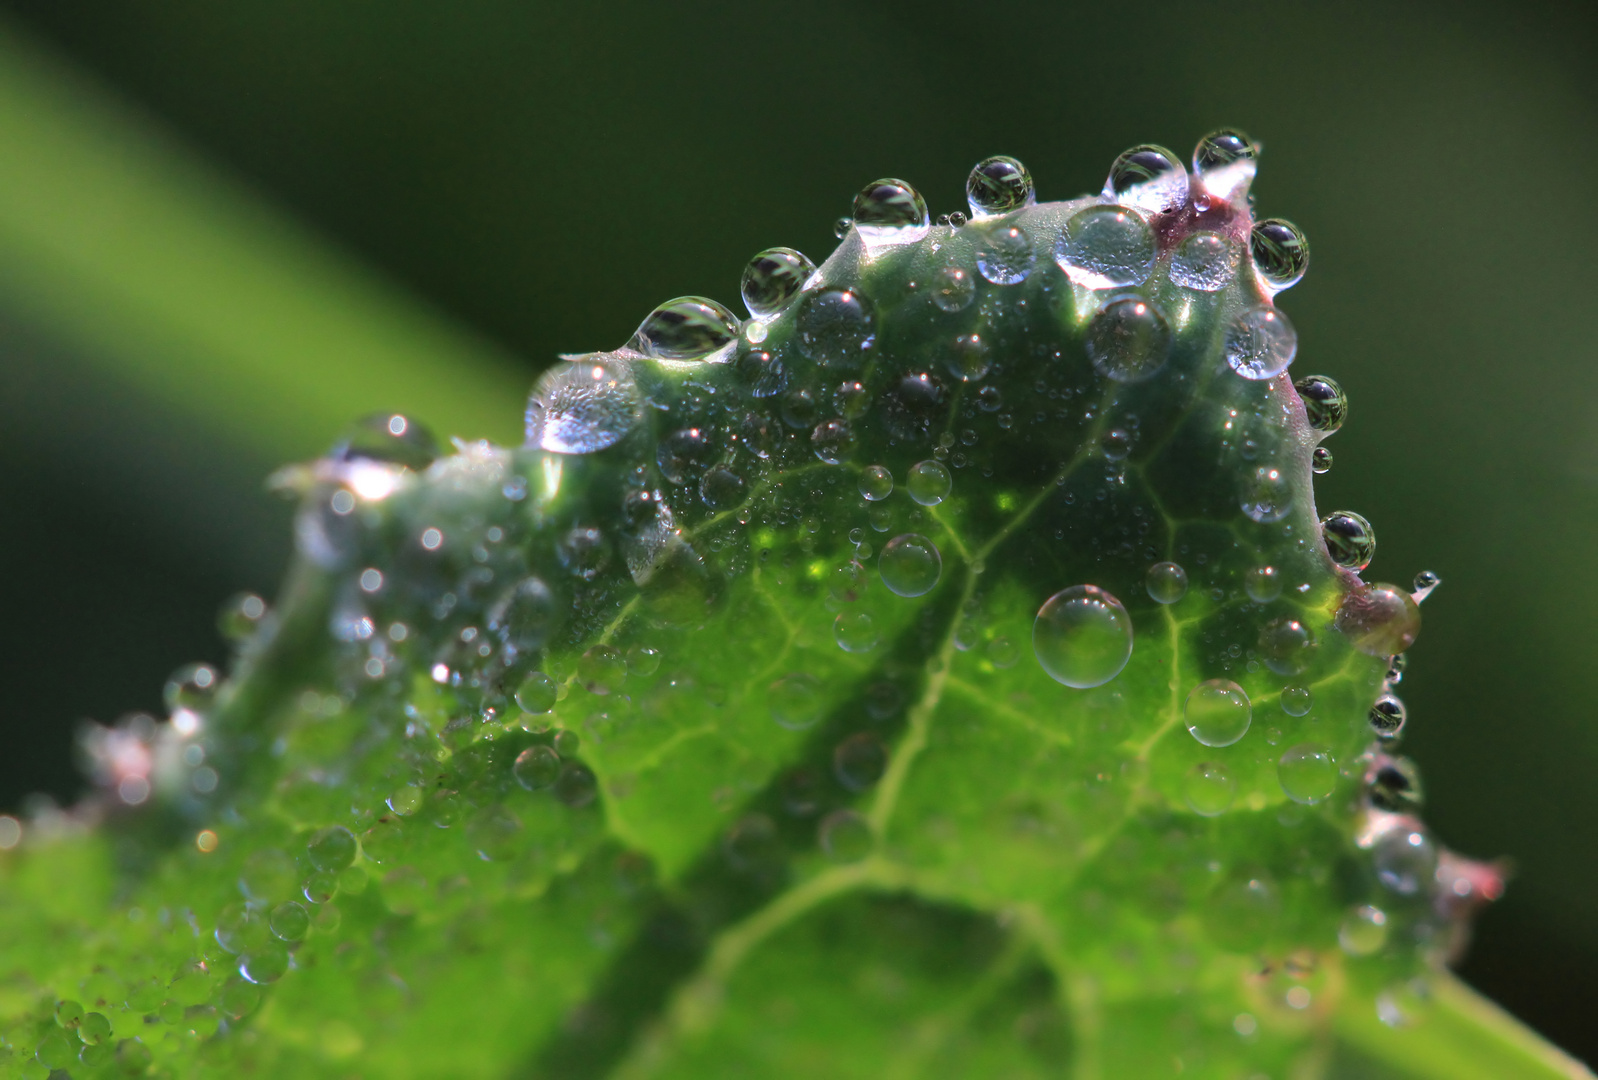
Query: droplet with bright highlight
[[1082, 636]]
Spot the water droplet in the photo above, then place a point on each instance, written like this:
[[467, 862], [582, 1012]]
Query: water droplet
[[537, 693], [1280, 251], [910, 565], [1209, 789], [1106, 247], [583, 405], [1003, 653], [1116, 444], [1128, 339], [998, 185], [929, 482], [265, 965], [685, 454], [912, 406], [685, 328], [1217, 712], [1425, 582], [845, 836], [1286, 645], [526, 615], [841, 227], [1221, 148], [192, 687], [1204, 261], [536, 768], [1005, 256], [642, 660], [1267, 494], [795, 701], [833, 441], [392, 438], [566, 742], [953, 289], [836, 327], [1395, 668], [968, 360], [859, 761], [1394, 785], [1263, 584], [602, 669], [763, 372], [1307, 773], [1363, 931], [855, 631], [876, 482], [850, 398], [1325, 404], [1405, 860], [1166, 582], [331, 849], [889, 212], [1261, 343], [583, 551], [1082, 636], [773, 278], [1387, 716], [1148, 177], [576, 786], [241, 616], [722, 489], [290, 921], [799, 409], [1320, 461], [1297, 700], [1379, 619], [1350, 540]]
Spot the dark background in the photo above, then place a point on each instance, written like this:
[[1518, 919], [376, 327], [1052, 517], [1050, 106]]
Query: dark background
[[547, 173]]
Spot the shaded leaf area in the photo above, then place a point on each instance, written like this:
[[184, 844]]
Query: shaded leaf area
[[674, 742]]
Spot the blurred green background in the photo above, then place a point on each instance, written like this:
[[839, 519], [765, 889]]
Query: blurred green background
[[227, 228]]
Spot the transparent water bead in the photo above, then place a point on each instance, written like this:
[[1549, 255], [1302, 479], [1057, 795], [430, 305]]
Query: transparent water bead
[[1363, 931], [1286, 645], [527, 614], [929, 482], [1209, 789], [536, 768], [1128, 340], [832, 441], [1082, 636], [876, 482], [1325, 404], [1405, 860], [1297, 700], [685, 328], [1149, 178], [1005, 256], [910, 565], [1106, 247], [1320, 461], [1307, 773], [836, 328], [584, 405], [392, 438], [968, 359], [998, 185], [1260, 343], [537, 693], [1225, 163], [1267, 494], [845, 836], [889, 212], [1204, 262], [796, 701], [1262, 583], [1166, 582], [1425, 582], [1387, 717], [1217, 712], [952, 289], [773, 278], [1350, 540], [1393, 784], [855, 631], [1379, 619], [1280, 251]]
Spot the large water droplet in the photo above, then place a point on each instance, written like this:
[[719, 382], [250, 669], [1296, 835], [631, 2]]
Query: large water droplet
[[1387, 716], [795, 700], [1325, 404], [1379, 620], [1225, 162], [584, 405], [876, 482], [537, 693], [1166, 582], [1217, 712], [1082, 636], [685, 328], [1205, 261], [1307, 773], [998, 185], [836, 327], [1260, 343], [1297, 700], [536, 768], [773, 278], [855, 631], [1149, 178], [889, 212], [1209, 789], [910, 565], [833, 441], [1106, 247], [929, 482], [1350, 540], [953, 289], [1128, 339], [1280, 251], [1286, 645], [1267, 494], [1005, 255]]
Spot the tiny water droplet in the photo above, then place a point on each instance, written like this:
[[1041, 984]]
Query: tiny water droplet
[[685, 328], [1082, 636], [1325, 404], [773, 278], [1209, 789], [1280, 251], [1297, 700], [1106, 247], [795, 701], [1128, 340], [1307, 773], [1425, 582], [855, 631], [1350, 540], [1263, 584], [686, 453], [1395, 668], [952, 289], [889, 212], [192, 687], [998, 185], [1387, 716], [1148, 177], [1166, 582], [1260, 343], [1205, 262], [1217, 712], [841, 227], [1005, 256], [536, 768], [876, 482], [836, 328], [929, 482], [1002, 653], [1320, 461], [910, 565]]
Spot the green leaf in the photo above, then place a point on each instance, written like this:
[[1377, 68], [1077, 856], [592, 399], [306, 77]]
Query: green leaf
[[674, 742]]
